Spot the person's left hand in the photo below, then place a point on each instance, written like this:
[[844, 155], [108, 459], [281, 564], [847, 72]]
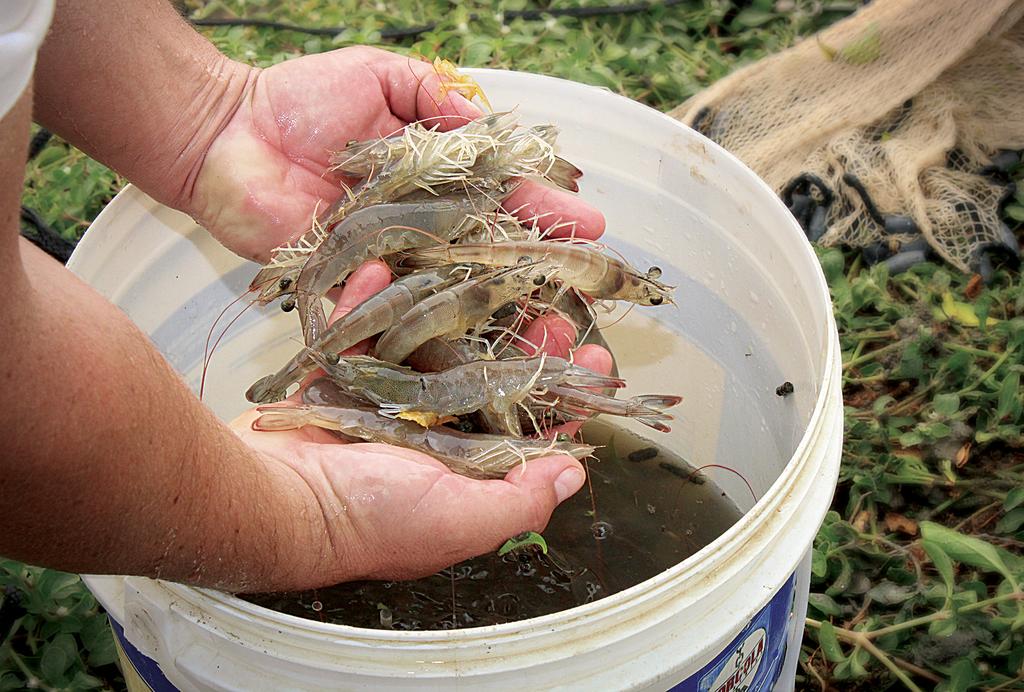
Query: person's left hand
[[265, 172]]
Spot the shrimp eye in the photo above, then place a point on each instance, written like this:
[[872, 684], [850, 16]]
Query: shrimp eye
[[332, 358], [562, 437], [525, 259], [540, 280], [284, 283], [288, 305], [657, 300], [654, 273]]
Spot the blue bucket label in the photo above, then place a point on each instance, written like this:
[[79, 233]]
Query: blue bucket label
[[753, 660], [145, 672]]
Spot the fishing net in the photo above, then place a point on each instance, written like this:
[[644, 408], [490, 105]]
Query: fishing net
[[894, 130]]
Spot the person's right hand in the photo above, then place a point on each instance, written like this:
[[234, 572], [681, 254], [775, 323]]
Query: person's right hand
[[393, 513]]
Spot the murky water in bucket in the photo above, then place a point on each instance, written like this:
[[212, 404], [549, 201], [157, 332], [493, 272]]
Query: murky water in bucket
[[643, 511]]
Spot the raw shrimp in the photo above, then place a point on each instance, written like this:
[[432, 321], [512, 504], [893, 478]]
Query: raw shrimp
[[473, 455], [579, 266], [367, 158], [437, 354], [503, 152], [454, 311], [647, 408], [378, 231], [428, 159], [373, 316], [497, 385]]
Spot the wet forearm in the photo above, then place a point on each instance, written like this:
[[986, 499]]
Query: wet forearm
[[133, 85]]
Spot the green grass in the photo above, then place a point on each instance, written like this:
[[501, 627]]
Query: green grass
[[917, 570]]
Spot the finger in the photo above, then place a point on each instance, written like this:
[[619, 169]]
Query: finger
[[550, 334], [559, 211], [414, 91], [369, 278], [592, 357]]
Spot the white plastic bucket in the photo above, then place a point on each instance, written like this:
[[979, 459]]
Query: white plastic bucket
[[754, 311]]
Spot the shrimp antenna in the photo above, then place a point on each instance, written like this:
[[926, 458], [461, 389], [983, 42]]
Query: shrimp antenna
[[208, 358], [624, 315], [730, 470], [209, 335]]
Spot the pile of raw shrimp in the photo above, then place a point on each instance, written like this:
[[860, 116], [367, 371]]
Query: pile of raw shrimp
[[451, 374]]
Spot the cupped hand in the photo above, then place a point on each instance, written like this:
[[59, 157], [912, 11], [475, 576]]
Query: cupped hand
[[393, 513], [265, 172]]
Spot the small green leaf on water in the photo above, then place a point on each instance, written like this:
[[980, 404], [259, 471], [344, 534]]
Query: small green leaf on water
[[523, 540]]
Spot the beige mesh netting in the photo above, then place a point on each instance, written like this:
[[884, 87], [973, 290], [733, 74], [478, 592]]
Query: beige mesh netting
[[888, 129]]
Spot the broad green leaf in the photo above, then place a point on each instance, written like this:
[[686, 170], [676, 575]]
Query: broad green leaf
[[1014, 499], [966, 549], [57, 658], [1009, 391], [830, 643], [946, 404], [1015, 212], [962, 675], [1011, 521], [751, 17], [819, 563], [825, 604], [943, 565]]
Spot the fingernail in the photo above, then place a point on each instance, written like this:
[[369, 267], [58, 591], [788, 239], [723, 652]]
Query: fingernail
[[568, 482]]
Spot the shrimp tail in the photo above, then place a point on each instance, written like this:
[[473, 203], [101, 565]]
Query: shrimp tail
[[275, 419], [264, 391], [564, 174], [655, 422], [658, 402], [577, 376]]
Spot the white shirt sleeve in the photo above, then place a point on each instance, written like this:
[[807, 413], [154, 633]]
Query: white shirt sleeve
[[23, 25]]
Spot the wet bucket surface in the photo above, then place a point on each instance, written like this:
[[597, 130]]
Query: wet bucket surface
[[753, 313]]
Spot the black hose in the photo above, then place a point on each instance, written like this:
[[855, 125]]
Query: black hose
[[413, 31], [44, 237]]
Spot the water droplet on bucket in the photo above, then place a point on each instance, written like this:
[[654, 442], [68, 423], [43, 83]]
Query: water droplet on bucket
[[601, 530]]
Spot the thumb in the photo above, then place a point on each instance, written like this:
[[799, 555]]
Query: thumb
[[526, 498], [558, 477], [465, 518]]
